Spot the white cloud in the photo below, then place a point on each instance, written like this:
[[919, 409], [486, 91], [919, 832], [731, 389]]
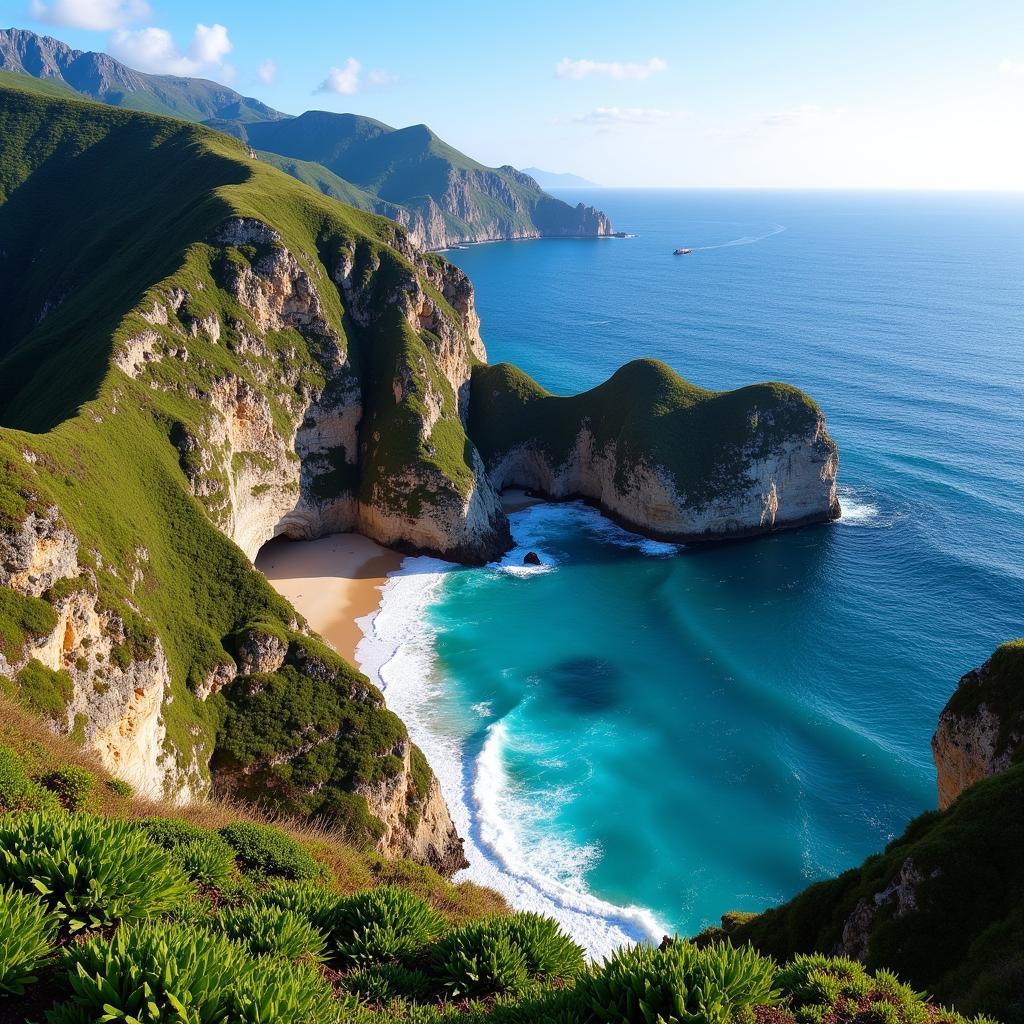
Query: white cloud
[[210, 44], [268, 72], [606, 117], [576, 69], [95, 14], [1011, 68], [348, 80], [154, 50]]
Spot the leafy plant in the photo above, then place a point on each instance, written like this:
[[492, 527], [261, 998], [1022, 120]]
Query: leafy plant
[[167, 972], [265, 850], [383, 924], [201, 853], [264, 929], [815, 979], [678, 984], [71, 784], [381, 983], [27, 931], [89, 871], [312, 901], [480, 959], [17, 791], [120, 788], [550, 953]]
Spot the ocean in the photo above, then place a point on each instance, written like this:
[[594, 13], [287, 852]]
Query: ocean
[[637, 737]]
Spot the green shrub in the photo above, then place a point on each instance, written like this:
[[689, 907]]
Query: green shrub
[[17, 791], [267, 851], [43, 690], [201, 853], [678, 984], [310, 900], [167, 972], [503, 954], [91, 872], [816, 980], [27, 930], [550, 954], [480, 959], [71, 784], [383, 924], [266, 929], [382, 983], [120, 788]]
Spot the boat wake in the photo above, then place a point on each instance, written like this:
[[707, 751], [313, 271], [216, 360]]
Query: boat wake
[[776, 229]]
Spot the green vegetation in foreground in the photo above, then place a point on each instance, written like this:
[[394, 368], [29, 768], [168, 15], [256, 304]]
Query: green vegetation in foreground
[[125, 910], [702, 438], [127, 205], [999, 684], [965, 941]]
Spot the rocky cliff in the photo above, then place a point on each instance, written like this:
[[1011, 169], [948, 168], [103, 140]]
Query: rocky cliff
[[981, 729], [201, 353], [657, 454]]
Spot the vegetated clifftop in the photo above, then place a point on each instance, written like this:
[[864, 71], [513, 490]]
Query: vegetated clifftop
[[441, 195], [199, 350], [658, 454], [981, 728], [943, 905], [200, 353]]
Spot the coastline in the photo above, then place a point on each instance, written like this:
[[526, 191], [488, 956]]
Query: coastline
[[333, 582]]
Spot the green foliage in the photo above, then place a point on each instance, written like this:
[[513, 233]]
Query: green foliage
[[120, 788], [205, 856], [503, 954], [43, 690], [678, 984], [382, 983], [311, 901], [27, 931], [267, 851], [703, 439], [89, 871], [963, 943], [480, 959], [383, 924], [267, 929], [21, 619], [71, 784], [18, 792], [814, 978], [167, 972]]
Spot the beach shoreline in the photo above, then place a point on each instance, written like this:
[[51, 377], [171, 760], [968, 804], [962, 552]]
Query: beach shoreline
[[333, 582]]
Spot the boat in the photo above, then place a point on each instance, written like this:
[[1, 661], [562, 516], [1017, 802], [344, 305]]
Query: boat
[[681, 252]]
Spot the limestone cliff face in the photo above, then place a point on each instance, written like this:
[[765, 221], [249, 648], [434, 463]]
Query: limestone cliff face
[[651, 451], [481, 205], [115, 694], [981, 729]]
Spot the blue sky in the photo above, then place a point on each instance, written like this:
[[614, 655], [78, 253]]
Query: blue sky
[[897, 94]]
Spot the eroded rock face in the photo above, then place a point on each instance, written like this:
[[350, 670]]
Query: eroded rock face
[[792, 485], [427, 835], [981, 729], [900, 895], [40, 552]]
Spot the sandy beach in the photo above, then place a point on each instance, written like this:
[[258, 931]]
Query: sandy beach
[[332, 582], [513, 499]]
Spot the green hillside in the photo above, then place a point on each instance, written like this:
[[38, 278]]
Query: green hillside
[[105, 214], [702, 438], [961, 938]]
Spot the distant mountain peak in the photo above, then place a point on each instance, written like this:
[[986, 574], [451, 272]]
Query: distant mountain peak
[[554, 179]]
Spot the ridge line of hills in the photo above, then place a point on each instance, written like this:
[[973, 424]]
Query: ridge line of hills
[[441, 196]]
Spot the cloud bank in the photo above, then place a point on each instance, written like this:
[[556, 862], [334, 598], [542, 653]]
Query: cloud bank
[[100, 15], [154, 50]]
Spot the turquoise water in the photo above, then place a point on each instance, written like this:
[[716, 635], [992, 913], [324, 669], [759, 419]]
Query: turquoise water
[[696, 730]]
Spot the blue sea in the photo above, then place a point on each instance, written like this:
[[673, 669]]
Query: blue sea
[[637, 737]]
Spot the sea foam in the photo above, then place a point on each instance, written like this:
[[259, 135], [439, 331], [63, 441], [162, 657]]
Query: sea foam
[[397, 652]]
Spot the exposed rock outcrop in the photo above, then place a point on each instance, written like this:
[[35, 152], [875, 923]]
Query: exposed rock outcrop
[[981, 729]]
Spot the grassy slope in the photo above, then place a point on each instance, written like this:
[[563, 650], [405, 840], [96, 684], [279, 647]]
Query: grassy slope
[[38, 86], [1001, 687], [648, 409], [77, 221], [965, 941]]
